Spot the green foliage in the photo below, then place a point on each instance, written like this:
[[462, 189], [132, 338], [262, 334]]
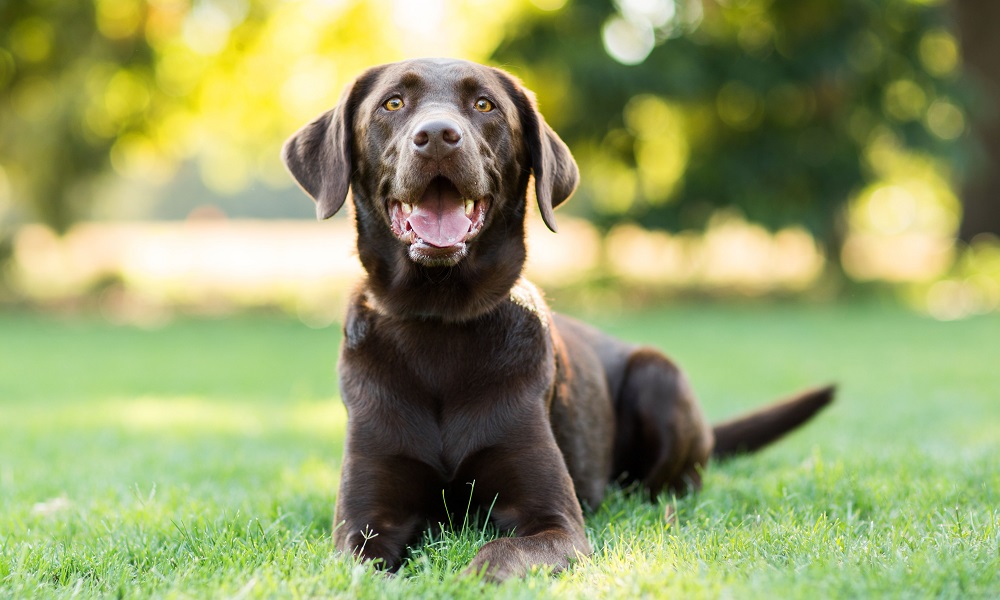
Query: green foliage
[[142, 86], [201, 460], [780, 109], [74, 78], [766, 106]]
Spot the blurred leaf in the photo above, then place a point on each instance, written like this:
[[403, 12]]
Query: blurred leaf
[[774, 103]]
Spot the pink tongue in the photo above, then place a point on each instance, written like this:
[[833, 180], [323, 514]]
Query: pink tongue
[[439, 217]]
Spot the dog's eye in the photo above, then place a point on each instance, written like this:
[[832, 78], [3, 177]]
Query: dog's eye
[[484, 105], [394, 103]]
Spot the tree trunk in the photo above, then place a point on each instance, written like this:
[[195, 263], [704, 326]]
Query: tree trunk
[[977, 24]]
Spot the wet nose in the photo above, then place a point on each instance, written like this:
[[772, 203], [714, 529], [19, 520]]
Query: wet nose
[[437, 138]]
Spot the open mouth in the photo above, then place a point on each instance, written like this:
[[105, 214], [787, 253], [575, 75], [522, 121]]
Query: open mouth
[[438, 224]]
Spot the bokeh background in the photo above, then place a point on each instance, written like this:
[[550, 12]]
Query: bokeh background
[[815, 149], [778, 193]]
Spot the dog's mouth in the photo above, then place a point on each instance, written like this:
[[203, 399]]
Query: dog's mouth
[[439, 223]]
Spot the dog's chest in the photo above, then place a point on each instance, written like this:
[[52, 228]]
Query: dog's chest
[[440, 392]]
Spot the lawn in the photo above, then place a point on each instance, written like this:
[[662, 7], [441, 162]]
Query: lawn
[[201, 460]]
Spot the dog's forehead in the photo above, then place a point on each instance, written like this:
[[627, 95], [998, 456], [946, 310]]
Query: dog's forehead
[[441, 77]]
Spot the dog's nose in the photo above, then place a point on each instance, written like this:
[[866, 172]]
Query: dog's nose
[[437, 138]]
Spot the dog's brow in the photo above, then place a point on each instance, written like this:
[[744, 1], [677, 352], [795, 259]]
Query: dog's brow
[[411, 79], [469, 85]]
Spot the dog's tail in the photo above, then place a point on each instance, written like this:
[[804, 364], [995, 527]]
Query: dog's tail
[[759, 428]]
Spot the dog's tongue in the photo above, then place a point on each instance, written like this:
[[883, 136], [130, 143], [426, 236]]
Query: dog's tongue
[[439, 217]]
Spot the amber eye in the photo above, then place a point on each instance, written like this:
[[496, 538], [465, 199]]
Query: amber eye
[[394, 103], [484, 105]]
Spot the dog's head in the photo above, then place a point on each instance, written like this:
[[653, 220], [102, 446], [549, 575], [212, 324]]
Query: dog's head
[[436, 152]]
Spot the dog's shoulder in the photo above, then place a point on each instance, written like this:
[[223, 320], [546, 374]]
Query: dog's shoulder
[[526, 296], [360, 318]]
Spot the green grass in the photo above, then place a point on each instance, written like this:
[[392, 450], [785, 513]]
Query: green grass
[[201, 460]]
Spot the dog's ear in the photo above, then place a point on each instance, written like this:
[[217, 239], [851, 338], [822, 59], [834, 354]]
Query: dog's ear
[[556, 173], [319, 156]]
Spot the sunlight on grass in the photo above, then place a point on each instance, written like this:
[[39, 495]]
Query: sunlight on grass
[[185, 414], [325, 418]]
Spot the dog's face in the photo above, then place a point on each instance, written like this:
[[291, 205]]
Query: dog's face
[[436, 151]]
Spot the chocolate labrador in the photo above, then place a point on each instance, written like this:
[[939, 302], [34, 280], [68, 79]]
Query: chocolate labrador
[[457, 378]]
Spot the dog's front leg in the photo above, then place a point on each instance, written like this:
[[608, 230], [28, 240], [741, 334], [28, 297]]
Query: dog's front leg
[[532, 494], [381, 507]]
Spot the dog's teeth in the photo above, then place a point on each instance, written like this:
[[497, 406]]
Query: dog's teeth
[[407, 208], [469, 205]]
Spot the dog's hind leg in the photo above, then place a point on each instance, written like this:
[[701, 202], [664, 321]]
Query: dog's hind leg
[[662, 438]]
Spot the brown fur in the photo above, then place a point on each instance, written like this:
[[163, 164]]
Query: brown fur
[[454, 371]]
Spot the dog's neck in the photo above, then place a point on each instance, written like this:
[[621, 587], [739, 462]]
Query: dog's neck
[[474, 287]]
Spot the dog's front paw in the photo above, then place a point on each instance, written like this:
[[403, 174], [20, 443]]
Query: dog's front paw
[[498, 561]]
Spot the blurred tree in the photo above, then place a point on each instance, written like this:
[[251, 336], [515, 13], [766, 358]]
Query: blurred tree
[[781, 109], [977, 21], [684, 107], [74, 77], [144, 85]]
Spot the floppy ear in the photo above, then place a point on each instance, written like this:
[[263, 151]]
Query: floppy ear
[[319, 157], [556, 173]]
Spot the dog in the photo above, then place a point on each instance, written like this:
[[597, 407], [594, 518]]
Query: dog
[[457, 378]]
